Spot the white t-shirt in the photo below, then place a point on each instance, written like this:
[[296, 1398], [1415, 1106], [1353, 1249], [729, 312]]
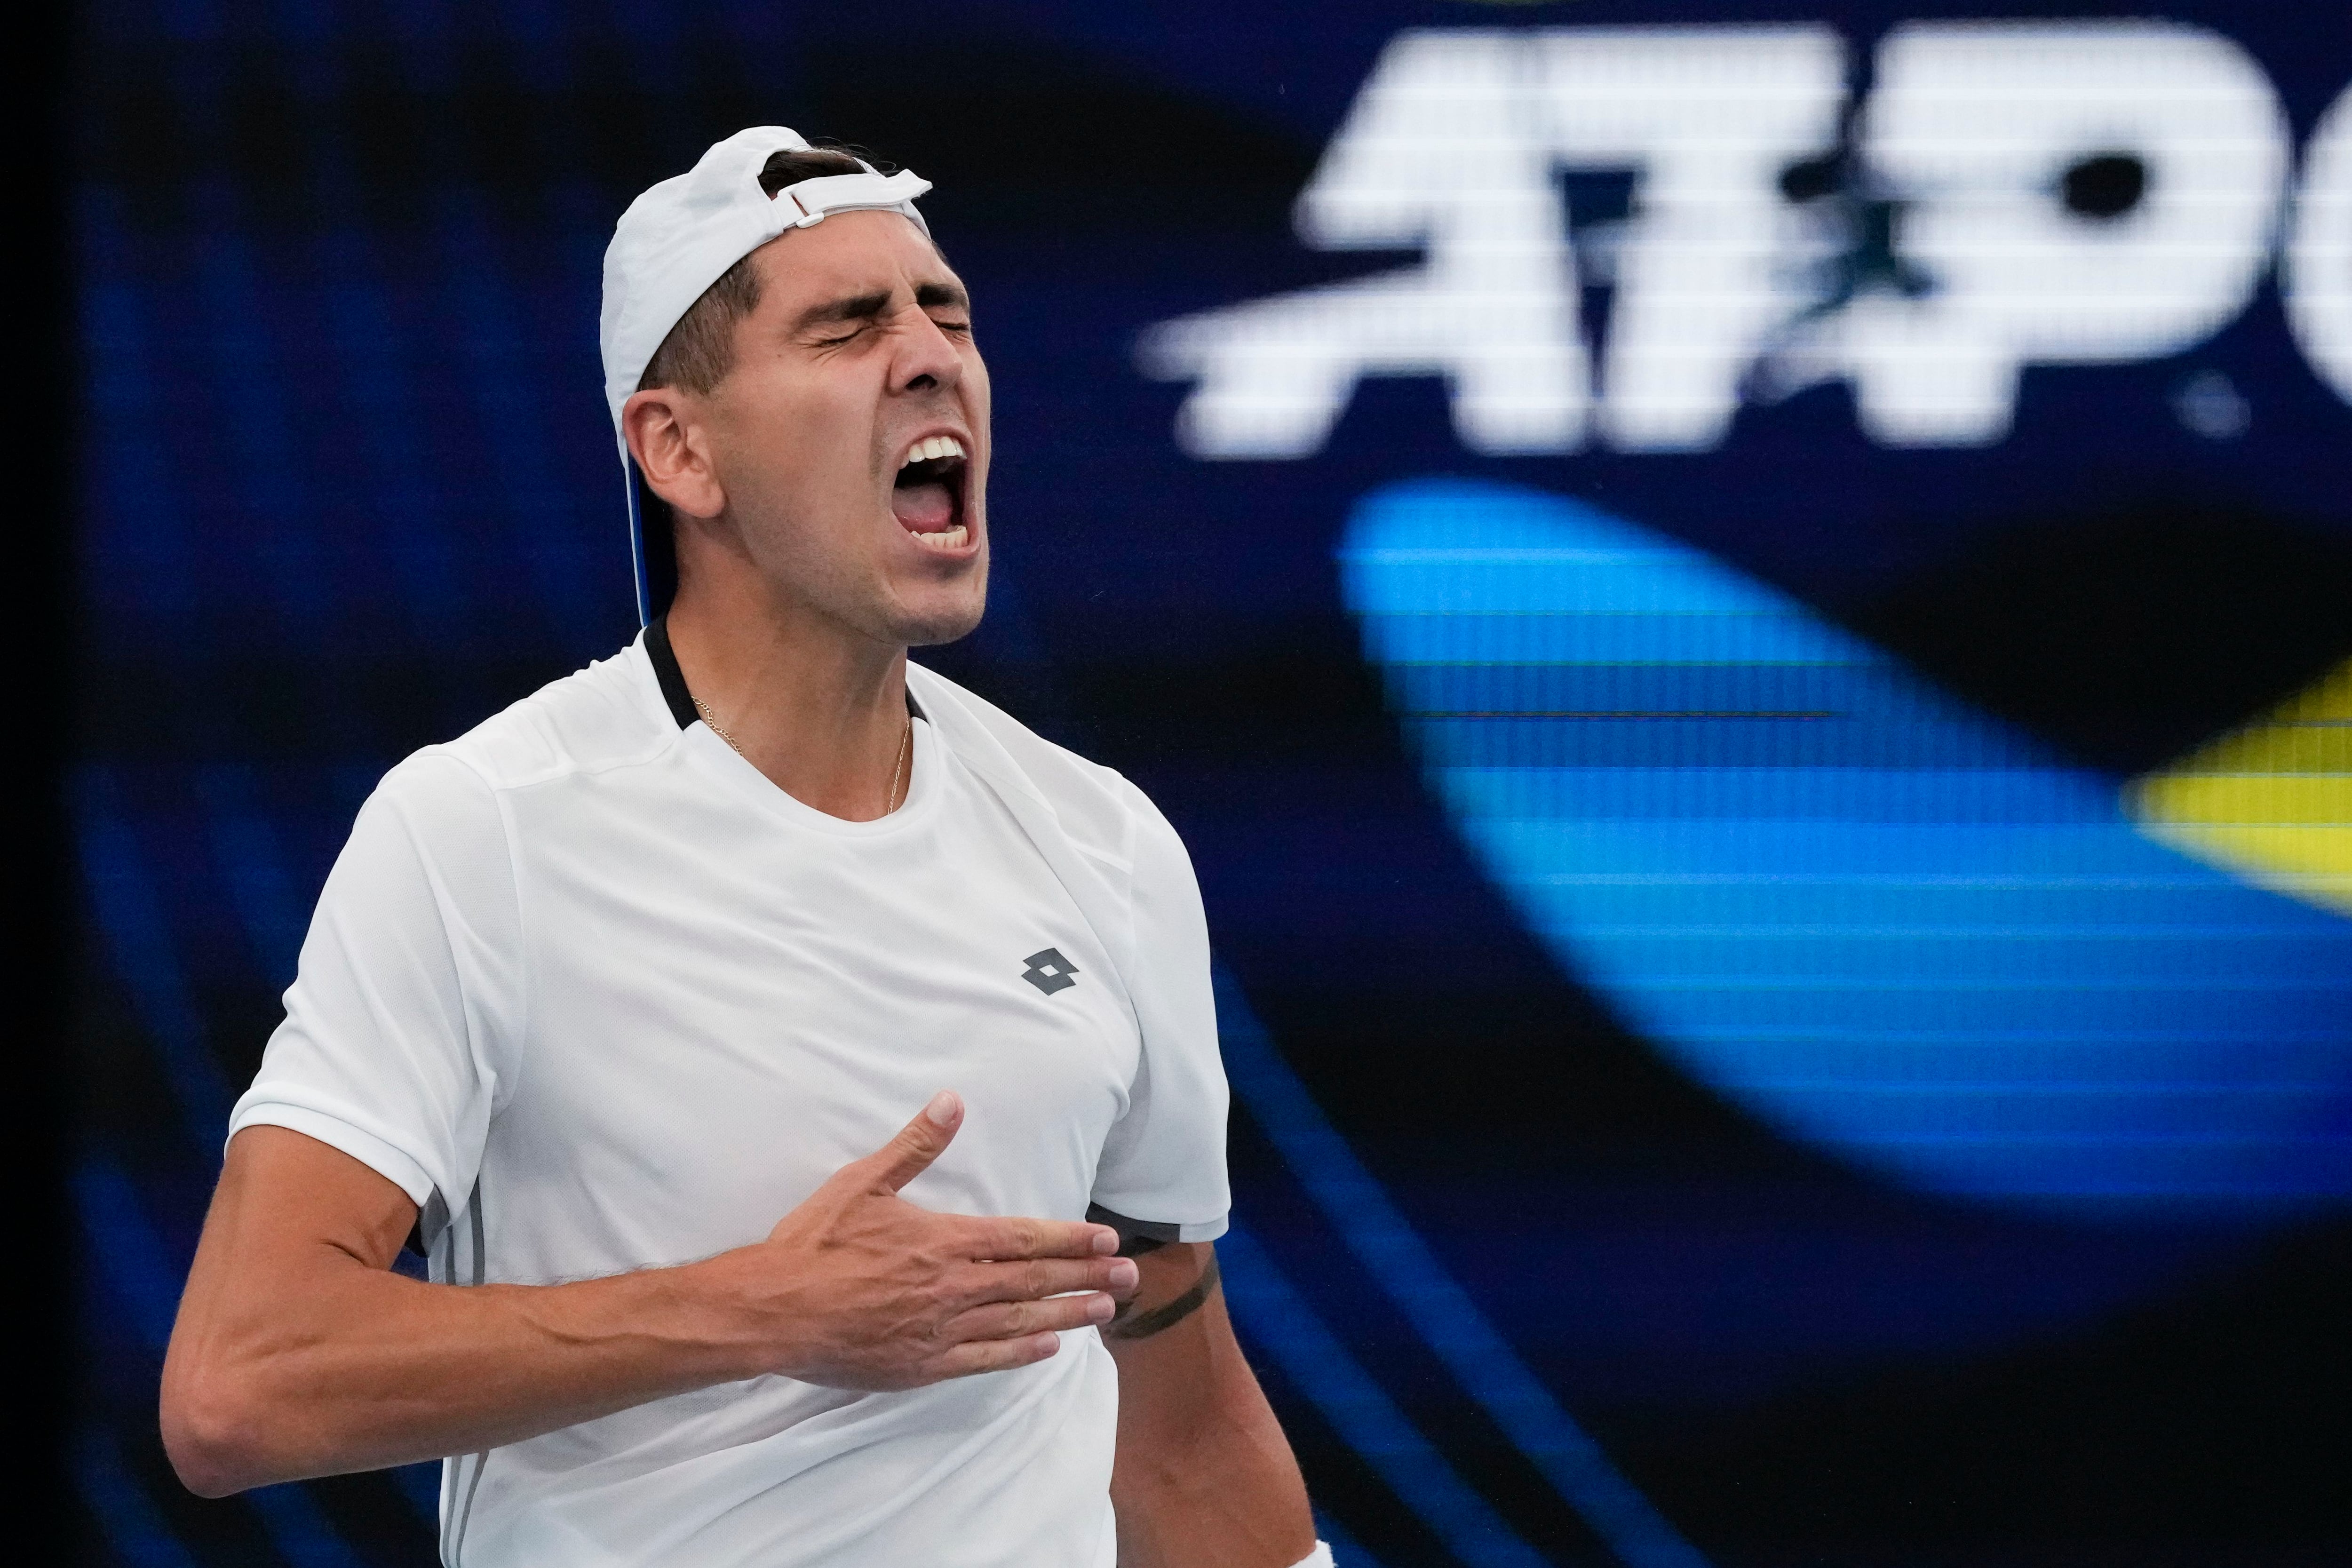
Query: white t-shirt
[[600, 998]]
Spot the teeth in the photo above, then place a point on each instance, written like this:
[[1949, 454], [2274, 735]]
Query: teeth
[[945, 538], [932, 447]]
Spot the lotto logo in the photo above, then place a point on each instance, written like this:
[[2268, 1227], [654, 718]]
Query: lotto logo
[[1049, 971], [2010, 194]]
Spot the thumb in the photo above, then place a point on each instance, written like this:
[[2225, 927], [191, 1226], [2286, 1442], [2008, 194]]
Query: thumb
[[919, 1142]]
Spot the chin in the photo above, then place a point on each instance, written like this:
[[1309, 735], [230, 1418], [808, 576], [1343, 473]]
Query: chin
[[944, 618]]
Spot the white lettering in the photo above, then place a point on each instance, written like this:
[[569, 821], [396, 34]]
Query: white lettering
[[1439, 152], [1972, 129], [2317, 269], [2017, 194], [1707, 117]]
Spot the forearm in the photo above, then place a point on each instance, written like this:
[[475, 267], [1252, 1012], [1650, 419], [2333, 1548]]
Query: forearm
[[1204, 1477], [1228, 1495], [299, 1352], [369, 1368]]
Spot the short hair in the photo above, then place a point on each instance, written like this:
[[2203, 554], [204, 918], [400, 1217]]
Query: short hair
[[700, 350]]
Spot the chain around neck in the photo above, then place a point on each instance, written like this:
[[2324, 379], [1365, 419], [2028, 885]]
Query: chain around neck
[[898, 768]]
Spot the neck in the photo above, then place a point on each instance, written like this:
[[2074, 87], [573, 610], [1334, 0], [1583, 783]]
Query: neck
[[818, 708]]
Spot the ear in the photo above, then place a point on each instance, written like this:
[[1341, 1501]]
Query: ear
[[672, 450]]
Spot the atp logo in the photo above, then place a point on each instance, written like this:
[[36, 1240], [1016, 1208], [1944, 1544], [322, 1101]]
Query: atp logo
[[2008, 193]]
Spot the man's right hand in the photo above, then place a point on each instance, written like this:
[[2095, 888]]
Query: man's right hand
[[858, 1287], [299, 1353]]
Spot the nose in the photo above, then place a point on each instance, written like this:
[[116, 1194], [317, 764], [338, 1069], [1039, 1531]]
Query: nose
[[928, 360]]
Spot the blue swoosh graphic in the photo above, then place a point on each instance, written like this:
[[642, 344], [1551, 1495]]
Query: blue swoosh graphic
[[1887, 924]]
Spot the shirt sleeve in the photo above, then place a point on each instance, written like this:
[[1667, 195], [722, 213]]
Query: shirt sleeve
[[403, 1026], [1163, 1175]]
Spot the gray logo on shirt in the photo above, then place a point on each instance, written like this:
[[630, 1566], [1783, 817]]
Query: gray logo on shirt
[[1049, 971]]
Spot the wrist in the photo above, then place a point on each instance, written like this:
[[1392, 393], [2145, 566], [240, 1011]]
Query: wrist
[[731, 1322]]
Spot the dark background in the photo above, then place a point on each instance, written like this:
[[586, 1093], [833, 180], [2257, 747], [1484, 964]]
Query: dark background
[[344, 485]]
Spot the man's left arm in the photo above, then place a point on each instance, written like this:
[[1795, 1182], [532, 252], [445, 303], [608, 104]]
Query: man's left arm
[[1204, 1477]]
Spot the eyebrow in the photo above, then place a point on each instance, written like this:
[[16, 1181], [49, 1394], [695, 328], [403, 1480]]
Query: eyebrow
[[850, 308], [866, 307]]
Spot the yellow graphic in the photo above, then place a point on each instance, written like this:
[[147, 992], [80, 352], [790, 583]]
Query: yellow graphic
[[2271, 802]]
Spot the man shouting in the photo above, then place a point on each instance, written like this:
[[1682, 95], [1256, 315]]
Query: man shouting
[[620, 1008]]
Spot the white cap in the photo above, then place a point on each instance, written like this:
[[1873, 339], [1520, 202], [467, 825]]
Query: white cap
[[681, 238], [678, 238]]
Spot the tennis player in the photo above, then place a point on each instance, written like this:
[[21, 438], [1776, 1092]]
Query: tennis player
[[802, 1079]]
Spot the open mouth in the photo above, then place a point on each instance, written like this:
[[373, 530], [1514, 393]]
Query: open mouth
[[927, 495]]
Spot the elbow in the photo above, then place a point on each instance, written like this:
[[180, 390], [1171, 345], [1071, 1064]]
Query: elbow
[[213, 1434]]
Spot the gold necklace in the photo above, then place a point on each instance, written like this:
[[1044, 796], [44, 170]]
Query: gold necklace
[[704, 709], [898, 768], [905, 752]]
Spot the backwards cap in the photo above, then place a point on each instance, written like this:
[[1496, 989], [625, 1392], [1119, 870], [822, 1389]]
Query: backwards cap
[[678, 238]]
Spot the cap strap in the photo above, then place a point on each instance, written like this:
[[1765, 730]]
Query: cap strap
[[826, 194]]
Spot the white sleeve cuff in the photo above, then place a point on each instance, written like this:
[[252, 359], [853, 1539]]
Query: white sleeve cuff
[[383, 1158], [1318, 1558]]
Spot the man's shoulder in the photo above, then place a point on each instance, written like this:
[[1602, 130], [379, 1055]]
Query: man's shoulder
[[1100, 810], [601, 717]]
